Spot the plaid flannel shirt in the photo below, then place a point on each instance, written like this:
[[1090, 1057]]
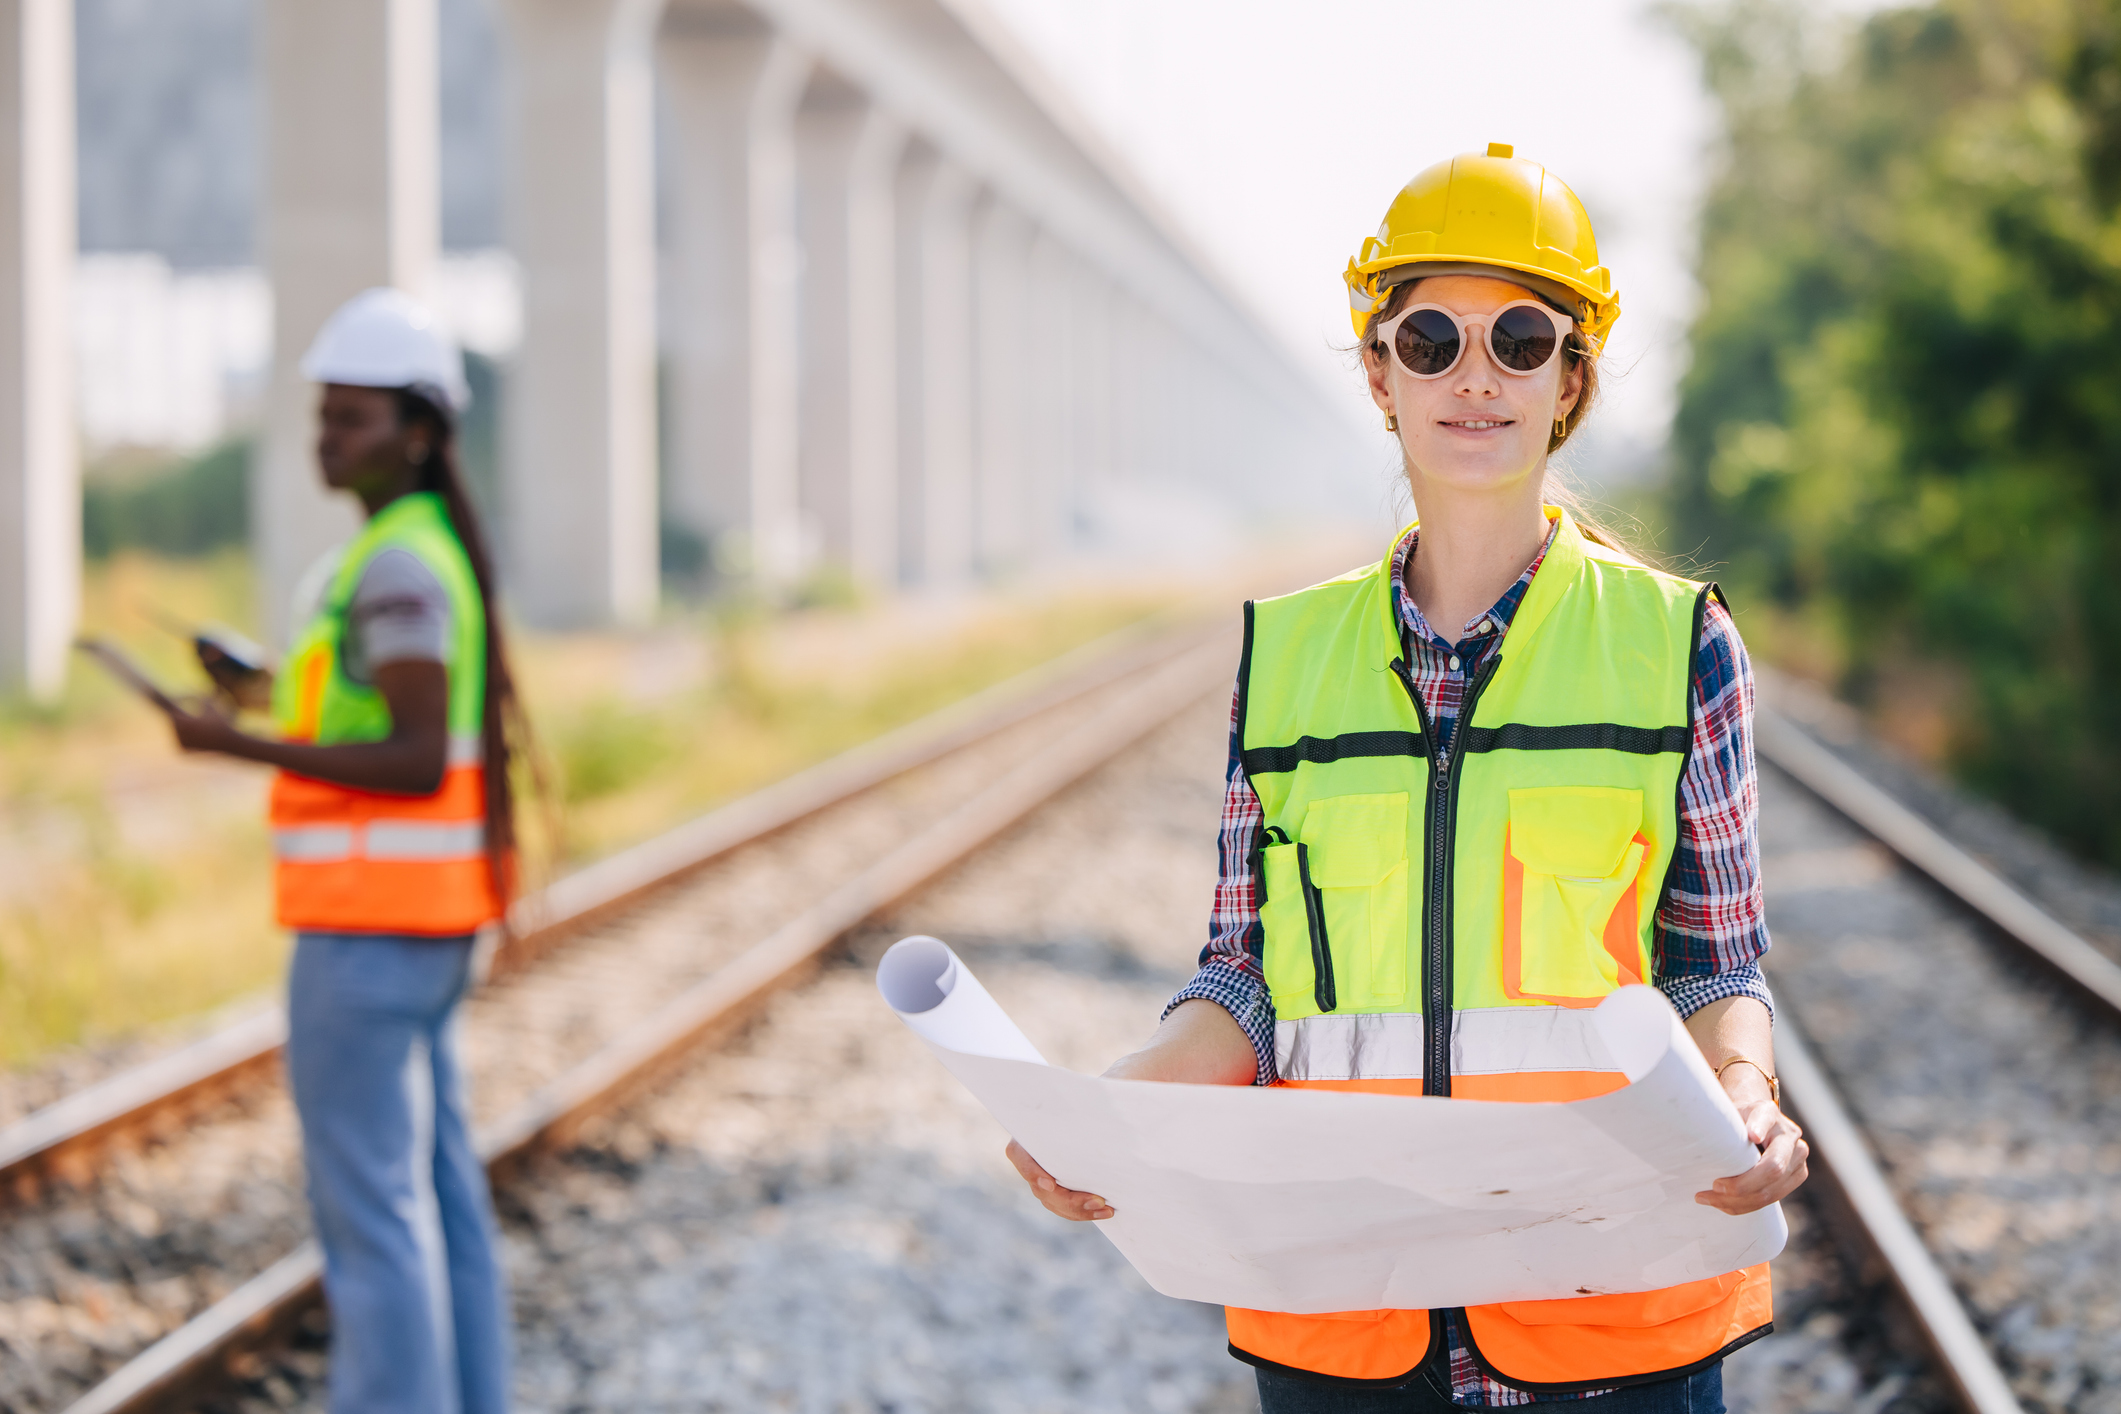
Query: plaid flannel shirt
[[1710, 931]]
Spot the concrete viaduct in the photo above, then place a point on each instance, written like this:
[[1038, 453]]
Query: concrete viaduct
[[915, 321]]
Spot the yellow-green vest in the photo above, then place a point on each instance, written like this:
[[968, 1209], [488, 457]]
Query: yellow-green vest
[[1446, 931]]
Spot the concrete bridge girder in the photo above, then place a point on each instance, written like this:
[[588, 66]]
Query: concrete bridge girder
[[919, 325]]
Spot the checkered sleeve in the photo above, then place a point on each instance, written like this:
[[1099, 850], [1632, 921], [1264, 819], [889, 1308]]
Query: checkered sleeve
[[1712, 926], [1229, 974]]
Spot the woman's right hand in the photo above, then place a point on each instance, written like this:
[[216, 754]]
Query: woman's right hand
[[205, 725], [1199, 1044], [1064, 1202]]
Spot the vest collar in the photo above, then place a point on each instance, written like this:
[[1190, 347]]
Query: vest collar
[[410, 510], [412, 506]]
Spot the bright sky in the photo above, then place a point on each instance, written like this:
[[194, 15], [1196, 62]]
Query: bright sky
[[1277, 133]]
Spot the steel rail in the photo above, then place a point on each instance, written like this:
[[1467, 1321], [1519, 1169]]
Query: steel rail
[[61, 1140], [268, 1303], [1915, 840], [1839, 1147], [1837, 1142]]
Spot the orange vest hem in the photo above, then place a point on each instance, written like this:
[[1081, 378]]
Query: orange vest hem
[[1350, 1347], [1615, 1381], [1562, 1346], [1594, 1342]]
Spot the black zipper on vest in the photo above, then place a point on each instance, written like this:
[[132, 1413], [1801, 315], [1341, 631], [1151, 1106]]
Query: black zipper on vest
[[1440, 829]]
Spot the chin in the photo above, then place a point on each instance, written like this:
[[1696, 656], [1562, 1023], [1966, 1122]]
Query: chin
[[1485, 470]]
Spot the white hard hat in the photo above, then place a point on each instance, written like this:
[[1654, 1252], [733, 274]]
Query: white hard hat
[[384, 338]]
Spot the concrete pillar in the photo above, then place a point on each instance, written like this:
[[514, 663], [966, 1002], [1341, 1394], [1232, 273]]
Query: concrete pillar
[[916, 175], [873, 373], [1006, 367], [1060, 287], [351, 200], [1142, 413], [581, 442], [847, 161], [1096, 451], [40, 475], [733, 91], [947, 377], [1042, 345]]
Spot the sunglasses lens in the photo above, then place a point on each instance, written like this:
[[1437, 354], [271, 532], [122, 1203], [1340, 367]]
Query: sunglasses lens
[[1524, 339], [1426, 341]]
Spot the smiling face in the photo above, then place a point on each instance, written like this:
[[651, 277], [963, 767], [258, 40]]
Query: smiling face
[[1477, 428]]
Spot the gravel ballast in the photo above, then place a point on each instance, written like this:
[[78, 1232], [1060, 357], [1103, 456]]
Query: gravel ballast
[[816, 1217]]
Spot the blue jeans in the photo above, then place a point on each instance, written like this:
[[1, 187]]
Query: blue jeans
[[419, 1306], [1425, 1393]]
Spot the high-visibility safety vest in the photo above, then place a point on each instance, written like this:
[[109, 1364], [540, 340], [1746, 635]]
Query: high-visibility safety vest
[[366, 861], [1445, 932]]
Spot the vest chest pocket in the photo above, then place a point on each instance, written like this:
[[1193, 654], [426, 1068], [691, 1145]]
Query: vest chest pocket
[[1571, 922], [1335, 910]]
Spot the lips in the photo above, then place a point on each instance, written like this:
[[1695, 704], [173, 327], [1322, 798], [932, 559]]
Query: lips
[[1477, 425]]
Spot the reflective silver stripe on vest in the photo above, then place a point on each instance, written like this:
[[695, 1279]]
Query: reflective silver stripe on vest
[[418, 839], [1484, 1041], [381, 839], [467, 749], [313, 844]]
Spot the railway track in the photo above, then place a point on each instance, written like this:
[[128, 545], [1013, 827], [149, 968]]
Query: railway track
[[1875, 1198], [1873, 1193], [666, 947]]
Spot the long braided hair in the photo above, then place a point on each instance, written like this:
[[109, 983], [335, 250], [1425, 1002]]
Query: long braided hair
[[505, 730]]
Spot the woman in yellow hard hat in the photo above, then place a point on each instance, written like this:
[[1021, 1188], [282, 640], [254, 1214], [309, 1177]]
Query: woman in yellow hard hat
[[1474, 788], [393, 822]]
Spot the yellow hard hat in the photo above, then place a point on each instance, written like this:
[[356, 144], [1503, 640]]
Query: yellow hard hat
[[1487, 210]]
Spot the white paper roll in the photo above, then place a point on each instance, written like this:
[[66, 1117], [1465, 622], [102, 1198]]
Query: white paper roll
[[937, 995]]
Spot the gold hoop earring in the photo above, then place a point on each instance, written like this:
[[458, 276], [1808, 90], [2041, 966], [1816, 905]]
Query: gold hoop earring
[[1561, 427], [1391, 422]]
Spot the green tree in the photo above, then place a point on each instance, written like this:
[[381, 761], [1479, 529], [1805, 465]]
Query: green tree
[[1903, 416]]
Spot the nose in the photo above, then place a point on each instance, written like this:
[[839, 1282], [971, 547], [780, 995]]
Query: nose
[[1476, 371]]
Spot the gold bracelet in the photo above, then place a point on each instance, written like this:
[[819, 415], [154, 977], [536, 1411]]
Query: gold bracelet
[[1774, 1086]]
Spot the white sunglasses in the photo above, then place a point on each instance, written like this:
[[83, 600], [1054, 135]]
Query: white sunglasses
[[1428, 340]]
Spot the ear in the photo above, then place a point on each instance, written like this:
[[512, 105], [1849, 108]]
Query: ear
[[1571, 388], [1379, 372]]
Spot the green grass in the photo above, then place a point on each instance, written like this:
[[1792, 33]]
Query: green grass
[[137, 887], [626, 769]]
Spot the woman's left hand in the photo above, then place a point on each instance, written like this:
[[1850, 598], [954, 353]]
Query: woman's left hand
[[1784, 1162]]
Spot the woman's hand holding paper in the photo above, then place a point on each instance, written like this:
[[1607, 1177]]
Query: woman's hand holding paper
[[1198, 1044]]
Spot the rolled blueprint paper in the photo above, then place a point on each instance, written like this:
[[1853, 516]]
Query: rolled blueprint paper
[[937, 995], [1307, 1200]]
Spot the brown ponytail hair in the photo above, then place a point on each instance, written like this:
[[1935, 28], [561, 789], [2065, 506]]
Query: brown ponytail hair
[[505, 729]]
